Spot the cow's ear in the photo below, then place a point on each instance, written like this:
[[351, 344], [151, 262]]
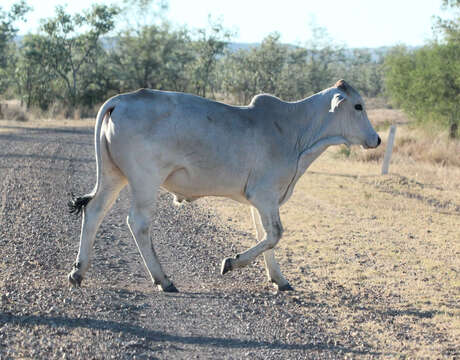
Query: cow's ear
[[336, 102]]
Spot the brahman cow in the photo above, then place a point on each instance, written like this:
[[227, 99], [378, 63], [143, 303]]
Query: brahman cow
[[195, 147]]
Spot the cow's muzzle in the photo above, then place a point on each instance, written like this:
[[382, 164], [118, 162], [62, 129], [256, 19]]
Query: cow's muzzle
[[373, 144]]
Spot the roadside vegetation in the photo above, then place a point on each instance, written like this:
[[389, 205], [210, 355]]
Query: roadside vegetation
[[73, 63], [429, 143]]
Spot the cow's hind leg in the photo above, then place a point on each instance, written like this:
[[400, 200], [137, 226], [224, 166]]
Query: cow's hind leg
[[271, 265], [94, 211], [143, 202]]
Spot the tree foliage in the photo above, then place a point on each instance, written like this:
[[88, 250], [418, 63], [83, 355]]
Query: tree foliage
[[206, 49], [152, 57], [294, 72], [254, 70], [449, 27], [426, 81], [7, 32], [62, 63], [66, 50], [77, 61]]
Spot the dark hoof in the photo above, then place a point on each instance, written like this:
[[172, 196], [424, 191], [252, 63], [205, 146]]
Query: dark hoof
[[75, 279], [285, 287], [170, 288], [226, 266]]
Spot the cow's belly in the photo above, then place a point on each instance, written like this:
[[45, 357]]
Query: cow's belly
[[195, 183]]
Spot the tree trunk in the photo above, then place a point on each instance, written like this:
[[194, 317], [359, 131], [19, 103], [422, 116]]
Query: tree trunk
[[453, 124], [453, 130]]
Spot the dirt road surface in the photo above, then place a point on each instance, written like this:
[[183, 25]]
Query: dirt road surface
[[119, 314]]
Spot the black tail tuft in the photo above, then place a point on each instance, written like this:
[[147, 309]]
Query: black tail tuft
[[77, 204]]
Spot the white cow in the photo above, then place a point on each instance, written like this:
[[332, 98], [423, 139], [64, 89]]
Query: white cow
[[195, 147]]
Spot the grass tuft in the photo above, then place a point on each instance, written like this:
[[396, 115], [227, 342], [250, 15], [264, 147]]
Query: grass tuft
[[12, 110]]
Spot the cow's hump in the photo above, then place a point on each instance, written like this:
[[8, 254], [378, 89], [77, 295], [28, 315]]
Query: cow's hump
[[266, 100]]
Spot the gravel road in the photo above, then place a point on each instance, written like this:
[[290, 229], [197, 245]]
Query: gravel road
[[118, 313]]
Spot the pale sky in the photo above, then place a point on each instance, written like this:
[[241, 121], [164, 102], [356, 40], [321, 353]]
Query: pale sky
[[354, 23]]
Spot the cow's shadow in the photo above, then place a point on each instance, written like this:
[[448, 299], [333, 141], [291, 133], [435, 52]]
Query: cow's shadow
[[351, 176], [163, 337]]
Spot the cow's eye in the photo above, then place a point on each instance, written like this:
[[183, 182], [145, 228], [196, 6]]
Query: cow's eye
[[358, 107]]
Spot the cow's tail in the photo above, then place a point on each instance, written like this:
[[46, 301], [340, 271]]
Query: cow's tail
[[77, 203]]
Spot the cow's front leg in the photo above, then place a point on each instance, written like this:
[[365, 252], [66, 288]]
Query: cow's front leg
[[269, 214], [274, 274]]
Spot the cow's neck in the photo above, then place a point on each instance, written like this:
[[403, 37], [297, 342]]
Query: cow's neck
[[309, 137], [310, 119]]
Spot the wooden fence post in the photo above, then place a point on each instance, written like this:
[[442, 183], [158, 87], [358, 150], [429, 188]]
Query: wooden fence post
[[389, 150]]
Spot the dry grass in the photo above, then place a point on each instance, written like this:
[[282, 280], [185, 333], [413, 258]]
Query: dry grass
[[411, 144], [383, 118], [12, 110], [376, 103], [11, 125]]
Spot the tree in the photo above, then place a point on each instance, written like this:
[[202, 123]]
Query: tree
[[152, 57], [426, 82], [363, 69], [451, 31], [66, 48], [33, 83], [294, 83], [210, 44], [449, 28], [237, 71], [323, 54], [270, 58], [256, 70], [149, 52], [7, 33]]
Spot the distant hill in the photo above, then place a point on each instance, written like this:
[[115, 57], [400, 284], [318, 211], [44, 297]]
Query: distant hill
[[233, 46], [376, 53]]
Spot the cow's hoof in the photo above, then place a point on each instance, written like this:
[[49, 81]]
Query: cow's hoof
[[170, 288], [285, 287], [226, 266], [75, 279]]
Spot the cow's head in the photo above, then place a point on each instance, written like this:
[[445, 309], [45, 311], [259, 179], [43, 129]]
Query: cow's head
[[349, 115]]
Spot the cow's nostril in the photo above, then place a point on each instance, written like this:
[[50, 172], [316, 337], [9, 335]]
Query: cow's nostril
[[379, 141]]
